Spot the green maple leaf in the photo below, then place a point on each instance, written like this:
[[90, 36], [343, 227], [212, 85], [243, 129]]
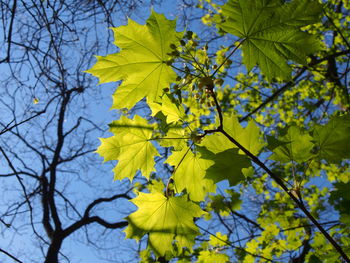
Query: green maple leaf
[[141, 63], [271, 32], [164, 219], [170, 109], [249, 137], [295, 145], [340, 197], [190, 172], [218, 204], [131, 146], [227, 165], [175, 137], [333, 139]]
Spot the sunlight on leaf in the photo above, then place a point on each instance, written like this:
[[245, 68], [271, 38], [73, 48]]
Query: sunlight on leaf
[[164, 220], [141, 63], [131, 146], [272, 32], [189, 174]]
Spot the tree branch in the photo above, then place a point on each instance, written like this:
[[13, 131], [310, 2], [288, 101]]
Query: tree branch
[[9, 37]]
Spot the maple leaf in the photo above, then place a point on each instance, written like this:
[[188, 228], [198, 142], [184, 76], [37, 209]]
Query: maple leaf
[[165, 219], [295, 145], [228, 165], [271, 32], [340, 197], [189, 173], [155, 186], [333, 139], [249, 137], [175, 137], [141, 63], [131, 145], [170, 109]]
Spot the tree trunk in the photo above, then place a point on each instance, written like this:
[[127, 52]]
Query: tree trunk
[[53, 251]]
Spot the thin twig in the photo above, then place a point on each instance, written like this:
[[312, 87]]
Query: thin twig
[[11, 256]]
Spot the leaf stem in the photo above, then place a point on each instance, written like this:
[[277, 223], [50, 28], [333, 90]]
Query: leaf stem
[[196, 62], [183, 157]]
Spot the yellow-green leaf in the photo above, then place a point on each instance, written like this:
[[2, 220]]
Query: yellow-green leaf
[[175, 137], [249, 137], [295, 145], [189, 173], [131, 146], [170, 109], [218, 240], [165, 220], [212, 257], [141, 63]]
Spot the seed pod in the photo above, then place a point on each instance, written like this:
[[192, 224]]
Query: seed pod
[[188, 78], [207, 82], [175, 53], [218, 82], [228, 62], [189, 34]]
